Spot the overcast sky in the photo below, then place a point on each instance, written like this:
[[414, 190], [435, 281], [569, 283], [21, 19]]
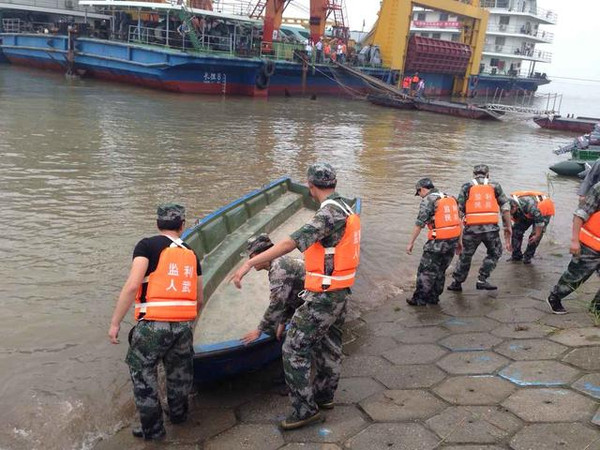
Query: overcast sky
[[575, 51]]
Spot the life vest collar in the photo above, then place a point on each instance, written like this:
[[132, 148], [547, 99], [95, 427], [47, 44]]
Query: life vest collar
[[475, 181]]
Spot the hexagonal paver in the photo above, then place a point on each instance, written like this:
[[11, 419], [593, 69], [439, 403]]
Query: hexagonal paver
[[588, 358], [383, 329], [596, 418], [310, 446], [530, 349], [371, 345], [555, 436], [471, 305], [341, 423], [246, 436], [578, 337], [425, 335], [589, 384], [415, 354], [470, 324], [397, 436], [571, 320], [473, 447], [522, 330], [353, 390], [266, 408], [400, 406], [475, 390], [550, 405], [474, 424], [539, 373], [422, 318], [474, 363], [411, 377], [363, 365], [470, 342], [513, 315]]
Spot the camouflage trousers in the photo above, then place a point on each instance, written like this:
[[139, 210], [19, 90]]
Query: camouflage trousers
[[579, 270], [315, 334], [471, 241], [431, 274], [150, 343], [518, 232]]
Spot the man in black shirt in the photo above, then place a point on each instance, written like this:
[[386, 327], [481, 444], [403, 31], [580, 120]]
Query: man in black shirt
[[165, 281]]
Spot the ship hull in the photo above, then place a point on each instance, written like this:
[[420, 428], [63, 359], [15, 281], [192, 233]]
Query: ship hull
[[564, 124]]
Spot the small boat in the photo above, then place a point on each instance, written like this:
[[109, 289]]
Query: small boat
[[457, 109], [585, 150], [279, 208], [391, 100], [575, 124]]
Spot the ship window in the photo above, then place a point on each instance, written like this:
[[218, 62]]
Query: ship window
[[443, 17], [425, 35], [494, 62], [500, 40], [422, 16], [436, 35], [504, 20], [455, 37]]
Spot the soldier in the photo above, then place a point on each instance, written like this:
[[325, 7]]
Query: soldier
[[529, 208], [333, 235], [166, 283], [286, 281], [479, 203], [440, 213], [585, 248]]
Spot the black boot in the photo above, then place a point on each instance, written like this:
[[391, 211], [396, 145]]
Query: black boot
[[455, 286], [485, 286]]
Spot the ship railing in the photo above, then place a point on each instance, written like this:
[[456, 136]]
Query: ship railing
[[520, 52], [67, 5], [522, 6], [541, 35], [286, 51], [179, 39]]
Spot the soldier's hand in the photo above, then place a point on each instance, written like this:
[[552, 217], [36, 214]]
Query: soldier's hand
[[251, 336], [532, 239], [236, 278], [459, 248], [575, 249], [508, 239], [409, 248], [280, 330], [113, 333]]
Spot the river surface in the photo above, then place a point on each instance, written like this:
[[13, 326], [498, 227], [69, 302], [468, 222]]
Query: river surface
[[84, 163]]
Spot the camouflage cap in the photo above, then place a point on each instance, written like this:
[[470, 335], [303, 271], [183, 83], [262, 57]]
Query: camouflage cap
[[322, 175], [170, 211], [258, 244], [424, 183], [481, 169]]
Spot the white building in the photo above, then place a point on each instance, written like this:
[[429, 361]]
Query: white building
[[515, 27]]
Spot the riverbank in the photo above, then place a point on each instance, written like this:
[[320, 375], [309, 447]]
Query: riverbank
[[480, 371]]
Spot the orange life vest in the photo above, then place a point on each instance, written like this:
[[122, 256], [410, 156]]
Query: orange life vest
[[590, 232], [346, 256], [406, 82], [344, 49], [446, 224], [172, 288], [327, 49], [482, 207], [544, 203], [415, 79]]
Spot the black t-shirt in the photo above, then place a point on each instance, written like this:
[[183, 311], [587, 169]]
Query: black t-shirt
[[151, 248]]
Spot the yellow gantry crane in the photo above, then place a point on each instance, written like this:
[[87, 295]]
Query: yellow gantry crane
[[392, 31]]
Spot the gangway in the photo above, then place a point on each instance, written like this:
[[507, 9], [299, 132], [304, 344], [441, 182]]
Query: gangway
[[553, 104], [375, 82]]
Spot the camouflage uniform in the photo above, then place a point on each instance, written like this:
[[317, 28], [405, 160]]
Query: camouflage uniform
[[286, 281], [581, 267], [526, 215], [316, 328], [474, 235], [437, 256], [150, 343]]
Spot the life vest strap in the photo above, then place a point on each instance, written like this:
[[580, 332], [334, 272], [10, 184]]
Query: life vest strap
[[330, 250], [142, 306], [485, 181], [327, 279], [593, 236], [342, 205]]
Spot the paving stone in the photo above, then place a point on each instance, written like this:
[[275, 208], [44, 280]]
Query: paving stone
[[414, 354], [265, 408], [588, 358], [363, 365], [401, 406], [310, 446], [422, 318], [474, 363], [371, 345], [473, 447], [470, 342], [571, 320], [578, 337], [513, 315], [539, 373], [341, 423], [550, 405], [596, 418], [589, 384], [425, 335], [522, 330], [530, 349], [470, 306], [470, 324], [353, 390], [395, 436], [556, 436], [247, 436], [474, 390], [474, 424], [388, 312], [384, 329], [411, 377]]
